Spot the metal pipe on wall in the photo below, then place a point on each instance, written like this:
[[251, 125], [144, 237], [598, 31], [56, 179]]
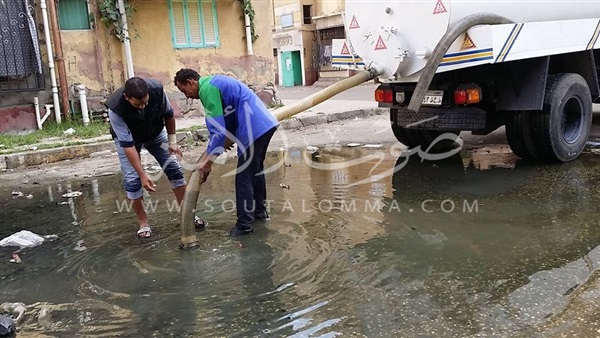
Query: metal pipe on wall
[[60, 60], [50, 61], [126, 40]]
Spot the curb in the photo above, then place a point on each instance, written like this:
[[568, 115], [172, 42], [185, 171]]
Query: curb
[[45, 156], [37, 157]]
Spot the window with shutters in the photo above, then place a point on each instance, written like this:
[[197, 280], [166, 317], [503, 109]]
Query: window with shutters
[[73, 14], [194, 23]]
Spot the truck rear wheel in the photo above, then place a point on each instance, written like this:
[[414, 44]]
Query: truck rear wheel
[[561, 129], [519, 136], [419, 137]]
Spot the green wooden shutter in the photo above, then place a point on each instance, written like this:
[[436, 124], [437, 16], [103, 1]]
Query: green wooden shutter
[[193, 23], [209, 19], [178, 23], [73, 14]]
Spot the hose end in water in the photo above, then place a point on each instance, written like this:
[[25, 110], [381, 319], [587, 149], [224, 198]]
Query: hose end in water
[[189, 246]]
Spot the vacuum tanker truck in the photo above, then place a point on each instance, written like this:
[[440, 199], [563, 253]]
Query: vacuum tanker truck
[[447, 66]]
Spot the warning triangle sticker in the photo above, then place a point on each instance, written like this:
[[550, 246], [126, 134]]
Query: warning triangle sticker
[[380, 44], [345, 50], [439, 8], [468, 43], [353, 23]]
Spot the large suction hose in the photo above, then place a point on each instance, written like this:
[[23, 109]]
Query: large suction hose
[[442, 47], [188, 208]]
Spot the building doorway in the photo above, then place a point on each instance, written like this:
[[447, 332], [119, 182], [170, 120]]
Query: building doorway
[[291, 66]]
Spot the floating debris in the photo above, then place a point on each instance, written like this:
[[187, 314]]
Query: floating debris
[[16, 259], [72, 194], [79, 246], [154, 169], [25, 239]]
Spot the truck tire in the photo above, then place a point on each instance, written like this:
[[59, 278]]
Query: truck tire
[[419, 137], [561, 129], [519, 136]]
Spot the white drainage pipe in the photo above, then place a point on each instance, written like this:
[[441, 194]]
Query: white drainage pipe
[[83, 102], [50, 61]]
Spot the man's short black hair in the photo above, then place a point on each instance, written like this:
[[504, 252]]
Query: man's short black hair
[[185, 74], [136, 88]]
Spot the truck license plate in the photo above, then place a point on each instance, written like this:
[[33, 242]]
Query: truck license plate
[[433, 97]]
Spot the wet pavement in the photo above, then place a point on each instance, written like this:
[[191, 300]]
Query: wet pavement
[[476, 244]]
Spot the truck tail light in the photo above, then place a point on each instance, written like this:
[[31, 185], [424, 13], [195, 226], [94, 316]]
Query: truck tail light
[[460, 96], [384, 95], [467, 94]]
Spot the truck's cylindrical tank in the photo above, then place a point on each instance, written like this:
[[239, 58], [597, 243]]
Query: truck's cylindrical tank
[[400, 34]]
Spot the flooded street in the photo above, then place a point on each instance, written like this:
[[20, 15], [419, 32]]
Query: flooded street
[[473, 245]]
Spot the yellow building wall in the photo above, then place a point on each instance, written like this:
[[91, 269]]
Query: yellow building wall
[[96, 59], [325, 7], [285, 7], [154, 54], [87, 61]]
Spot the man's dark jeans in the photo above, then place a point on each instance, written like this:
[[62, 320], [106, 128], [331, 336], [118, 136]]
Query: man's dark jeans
[[250, 184]]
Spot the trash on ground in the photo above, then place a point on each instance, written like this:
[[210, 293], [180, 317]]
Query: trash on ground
[[30, 196], [353, 144], [17, 193], [311, 149], [25, 239], [372, 146], [284, 186], [17, 310], [34, 148], [79, 246], [72, 194], [16, 259], [69, 131], [154, 169]]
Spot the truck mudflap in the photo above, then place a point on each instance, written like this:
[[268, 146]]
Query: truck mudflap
[[459, 118]]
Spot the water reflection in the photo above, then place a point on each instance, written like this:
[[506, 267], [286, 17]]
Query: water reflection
[[459, 271], [438, 249]]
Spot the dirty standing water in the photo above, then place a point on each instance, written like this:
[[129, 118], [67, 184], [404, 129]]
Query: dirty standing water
[[437, 249]]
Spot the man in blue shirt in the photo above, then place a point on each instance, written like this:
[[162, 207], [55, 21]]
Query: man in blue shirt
[[234, 113], [139, 113]]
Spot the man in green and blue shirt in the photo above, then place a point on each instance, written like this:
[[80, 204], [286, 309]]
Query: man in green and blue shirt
[[234, 113]]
